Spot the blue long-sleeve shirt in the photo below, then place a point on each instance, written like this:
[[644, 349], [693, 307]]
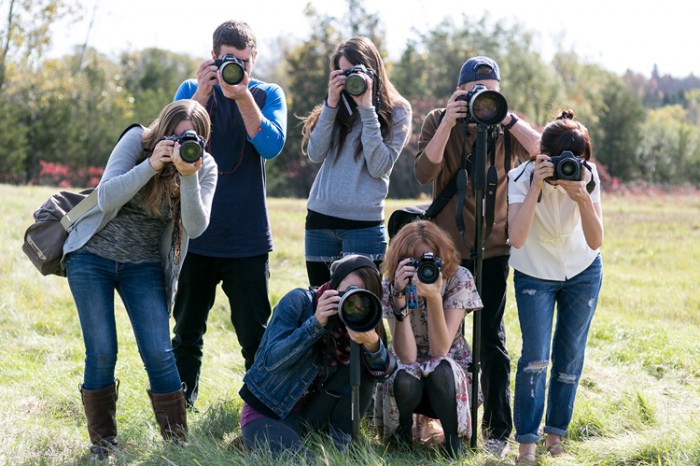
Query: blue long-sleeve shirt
[[239, 225]]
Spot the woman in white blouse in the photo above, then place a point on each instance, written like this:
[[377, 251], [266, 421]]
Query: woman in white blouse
[[556, 230]]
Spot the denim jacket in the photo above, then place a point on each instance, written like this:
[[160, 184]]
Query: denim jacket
[[289, 360]]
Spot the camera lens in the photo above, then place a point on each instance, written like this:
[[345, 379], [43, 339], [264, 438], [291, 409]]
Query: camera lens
[[355, 85], [190, 151], [428, 272], [360, 310], [232, 73], [488, 107], [568, 169]]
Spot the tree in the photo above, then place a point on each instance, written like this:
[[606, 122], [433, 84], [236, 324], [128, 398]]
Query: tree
[[73, 118], [669, 149], [26, 32], [152, 76], [307, 69], [617, 132]]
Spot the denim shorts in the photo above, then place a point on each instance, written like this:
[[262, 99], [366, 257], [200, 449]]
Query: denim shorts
[[325, 245]]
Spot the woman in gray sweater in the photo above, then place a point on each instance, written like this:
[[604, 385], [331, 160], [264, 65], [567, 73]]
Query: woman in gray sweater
[[357, 134], [150, 202]]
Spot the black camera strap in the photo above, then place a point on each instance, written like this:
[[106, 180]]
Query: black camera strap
[[491, 186], [590, 186], [462, 178], [506, 165], [458, 182]]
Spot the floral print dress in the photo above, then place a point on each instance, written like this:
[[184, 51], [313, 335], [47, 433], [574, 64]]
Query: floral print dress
[[459, 292]]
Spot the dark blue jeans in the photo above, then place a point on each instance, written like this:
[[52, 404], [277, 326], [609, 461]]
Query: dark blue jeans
[[93, 280], [497, 421], [245, 282], [575, 300], [323, 246], [328, 410]]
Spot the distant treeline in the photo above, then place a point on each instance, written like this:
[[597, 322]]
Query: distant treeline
[[61, 117]]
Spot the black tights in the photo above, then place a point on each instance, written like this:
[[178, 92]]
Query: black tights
[[433, 396]]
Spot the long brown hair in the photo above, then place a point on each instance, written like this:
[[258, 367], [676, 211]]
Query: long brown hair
[[420, 233], [163, 189], [358, 50]]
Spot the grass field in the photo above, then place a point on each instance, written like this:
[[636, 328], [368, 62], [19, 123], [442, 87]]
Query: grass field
[[638, 402]]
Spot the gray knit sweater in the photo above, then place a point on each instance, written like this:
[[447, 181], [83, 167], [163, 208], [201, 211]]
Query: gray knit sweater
[[350, 189], [123, 178]]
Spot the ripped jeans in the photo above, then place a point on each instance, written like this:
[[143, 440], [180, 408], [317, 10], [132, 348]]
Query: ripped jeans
[[575, 300]]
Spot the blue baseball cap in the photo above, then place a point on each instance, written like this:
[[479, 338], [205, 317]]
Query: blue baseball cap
[[478, 68]]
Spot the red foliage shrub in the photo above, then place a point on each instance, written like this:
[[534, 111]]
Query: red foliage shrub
[[67, 176]]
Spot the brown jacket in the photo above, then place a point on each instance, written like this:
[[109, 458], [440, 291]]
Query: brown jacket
[[439, 174]]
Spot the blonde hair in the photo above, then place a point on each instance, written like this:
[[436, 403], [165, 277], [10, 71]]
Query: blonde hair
[[163, 189], [421, 233]]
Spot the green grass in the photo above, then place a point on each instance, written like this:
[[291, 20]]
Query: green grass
[[638, 401]]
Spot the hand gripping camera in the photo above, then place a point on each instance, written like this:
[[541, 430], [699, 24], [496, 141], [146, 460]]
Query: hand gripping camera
[[355, 84], [191, 145], [567, 166], [359, 309], [232, 68], [485, 106]]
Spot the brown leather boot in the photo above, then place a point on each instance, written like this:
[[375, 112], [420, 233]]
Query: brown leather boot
[[100, 410], [171, 414]]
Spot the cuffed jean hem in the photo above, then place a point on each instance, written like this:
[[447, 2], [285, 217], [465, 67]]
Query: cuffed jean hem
[[527, 438], [555, 431]]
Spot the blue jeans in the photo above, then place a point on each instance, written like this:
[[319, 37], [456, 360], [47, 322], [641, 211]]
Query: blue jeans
[[323, 246], [575, 300], [93, 280]]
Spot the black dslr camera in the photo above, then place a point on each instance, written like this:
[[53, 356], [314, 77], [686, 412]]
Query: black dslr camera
[[485, 106], [191, 145], [567, 166], [359, 309], [232, 68], [355, 84], [428, 267]]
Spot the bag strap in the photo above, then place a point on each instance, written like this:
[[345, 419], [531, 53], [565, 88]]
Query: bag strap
[[79, 210], [442, 199], [129, 128], [90, 201]]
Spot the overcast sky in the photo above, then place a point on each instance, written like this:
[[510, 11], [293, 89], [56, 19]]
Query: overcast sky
[[613, 34]]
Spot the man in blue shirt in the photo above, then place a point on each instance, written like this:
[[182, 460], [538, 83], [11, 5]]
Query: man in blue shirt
[[249, 124]]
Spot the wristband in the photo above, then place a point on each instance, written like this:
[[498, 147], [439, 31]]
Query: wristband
[[325, 102], [400, 313], [394, 293], [513, 121]]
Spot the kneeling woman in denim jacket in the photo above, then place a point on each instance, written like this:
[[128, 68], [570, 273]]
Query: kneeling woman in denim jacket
[[150, 202], [555, 229], [301, 373]]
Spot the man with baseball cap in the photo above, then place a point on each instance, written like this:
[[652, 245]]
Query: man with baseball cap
[[446, 146]]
